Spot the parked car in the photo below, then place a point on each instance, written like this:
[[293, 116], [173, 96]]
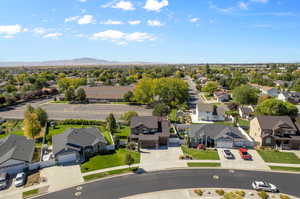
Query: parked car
[[3, 180], [20, 179], [244, 154], [227, 154], [264, 186]]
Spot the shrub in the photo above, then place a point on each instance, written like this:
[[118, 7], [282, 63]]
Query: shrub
[[241, 193], [181, 157], [282, 196], [220, 192], [232, 195], [263, 195], [81, 122], [199, 192]]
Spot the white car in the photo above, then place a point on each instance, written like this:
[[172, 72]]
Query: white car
[[20, 179], [227, 154], [264, 186]]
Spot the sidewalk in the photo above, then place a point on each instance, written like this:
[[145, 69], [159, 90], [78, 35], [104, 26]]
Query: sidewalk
[[18, 194], [283, 165], [110, 169]]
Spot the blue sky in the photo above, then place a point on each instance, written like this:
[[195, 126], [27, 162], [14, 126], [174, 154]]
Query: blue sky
[[151, 30]]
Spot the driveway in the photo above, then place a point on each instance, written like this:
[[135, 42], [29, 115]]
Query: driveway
[[162, 158], [238, 163], [60, 177]]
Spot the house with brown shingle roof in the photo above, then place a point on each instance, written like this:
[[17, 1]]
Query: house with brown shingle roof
[[106, 93], [150, 131], [275, 131]]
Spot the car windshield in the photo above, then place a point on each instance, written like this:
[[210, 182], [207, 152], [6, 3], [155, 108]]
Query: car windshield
[[245, 153], [19, 178], [2, 180]]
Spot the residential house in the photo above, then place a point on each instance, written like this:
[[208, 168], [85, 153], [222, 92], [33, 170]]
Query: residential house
[[221, 96], [266, 90], [292, 97], [106, 93], [16, 153], [246, 112], [219, 136], [77, 144], [210, 112], [275, 131], [150, 131]]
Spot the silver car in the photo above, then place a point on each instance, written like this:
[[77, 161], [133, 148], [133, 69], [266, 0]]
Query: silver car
[[227, 154], [264, 186], [3, 180], [20, 179]]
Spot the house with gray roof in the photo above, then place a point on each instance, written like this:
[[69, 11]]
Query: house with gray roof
[[275, 131], [218, 136], [77, 144], [210, 112], [16, 153], [150, 131]]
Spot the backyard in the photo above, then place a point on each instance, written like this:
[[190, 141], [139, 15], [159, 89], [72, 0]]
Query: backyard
[[201, 154], [109, 160], [12, 127], [279, 157]]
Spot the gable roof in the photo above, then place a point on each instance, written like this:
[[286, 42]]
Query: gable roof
[[273, 122], [246, 110], [16, 147], [215, 131], [77, 136], [147, 121]]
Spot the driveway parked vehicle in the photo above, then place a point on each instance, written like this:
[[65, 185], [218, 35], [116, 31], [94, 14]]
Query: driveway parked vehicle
[[227, 154], [244, 154], [264, 186], [3, 180], [20, 179]]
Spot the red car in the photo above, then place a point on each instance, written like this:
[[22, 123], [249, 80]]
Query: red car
[[244, 154]]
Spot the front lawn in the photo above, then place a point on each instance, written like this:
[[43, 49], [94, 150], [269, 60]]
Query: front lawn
[[201, 154], [12, 127], [108, 173], [279, 157], [108, 160], [278, 168], [244, 123], [30, 193], [224, 123], [203, 164], [123, 132]]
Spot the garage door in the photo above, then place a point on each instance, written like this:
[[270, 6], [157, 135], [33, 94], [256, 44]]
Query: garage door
[[67, 158], [224, 144]]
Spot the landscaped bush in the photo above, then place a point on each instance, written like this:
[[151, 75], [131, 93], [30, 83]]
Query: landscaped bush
[[263, 195], [199, 192], [282, 196], [232, 195], [220, 192], [241, 193], [81, 122]]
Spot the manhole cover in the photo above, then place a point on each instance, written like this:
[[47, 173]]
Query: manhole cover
[[78, 188], [216, 177], [77, 194]]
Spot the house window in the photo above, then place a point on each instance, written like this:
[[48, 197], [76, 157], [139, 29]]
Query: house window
[[268, 140]]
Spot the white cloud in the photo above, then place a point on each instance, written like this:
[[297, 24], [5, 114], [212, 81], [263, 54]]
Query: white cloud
[[215, 7], [40, 31], [111, 22], [69, 19], [134, 22], [123, 5], [82, 1], [243, 5], [53, 35], [194, 20], [155, 23], [11, 29], [155, 5], [8, 36], [86, 19], [122, 38], [260, 1]]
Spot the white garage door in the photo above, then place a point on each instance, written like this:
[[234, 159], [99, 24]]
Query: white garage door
[[66, 158], [224, 144]]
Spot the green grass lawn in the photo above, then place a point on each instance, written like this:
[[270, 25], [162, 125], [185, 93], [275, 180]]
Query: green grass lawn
[[244, 122], [30, 193], [108, 160], [108, 173], [201, 154], [173, 115], [203, 164], [12, 127], [123, 132], [278, 168], [279, 157], [224, 123]]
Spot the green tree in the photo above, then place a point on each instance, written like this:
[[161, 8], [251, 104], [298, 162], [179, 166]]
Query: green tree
[[210, 87], [161, 110], [277, 108], [245, 95], [129, 159], [111, 123], [32, 126], [128, 97], [80, 95], [70, 94], [42, 116], [128, 115]]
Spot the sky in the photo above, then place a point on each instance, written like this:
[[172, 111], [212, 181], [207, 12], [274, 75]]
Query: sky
[[171, 31]]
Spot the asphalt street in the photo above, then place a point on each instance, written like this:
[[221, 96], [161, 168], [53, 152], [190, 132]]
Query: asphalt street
[[128, 185]]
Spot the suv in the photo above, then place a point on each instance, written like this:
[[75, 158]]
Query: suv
[[264, 186], [3, 180], [244, 154], [227, 154], [20, 179]]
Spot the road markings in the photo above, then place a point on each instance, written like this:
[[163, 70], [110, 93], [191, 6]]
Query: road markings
[[215, 177], [78, 188], [77, 194]]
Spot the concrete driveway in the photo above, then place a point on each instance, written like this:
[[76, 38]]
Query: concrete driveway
[[60, 177], [238, 163], [162, 158]]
